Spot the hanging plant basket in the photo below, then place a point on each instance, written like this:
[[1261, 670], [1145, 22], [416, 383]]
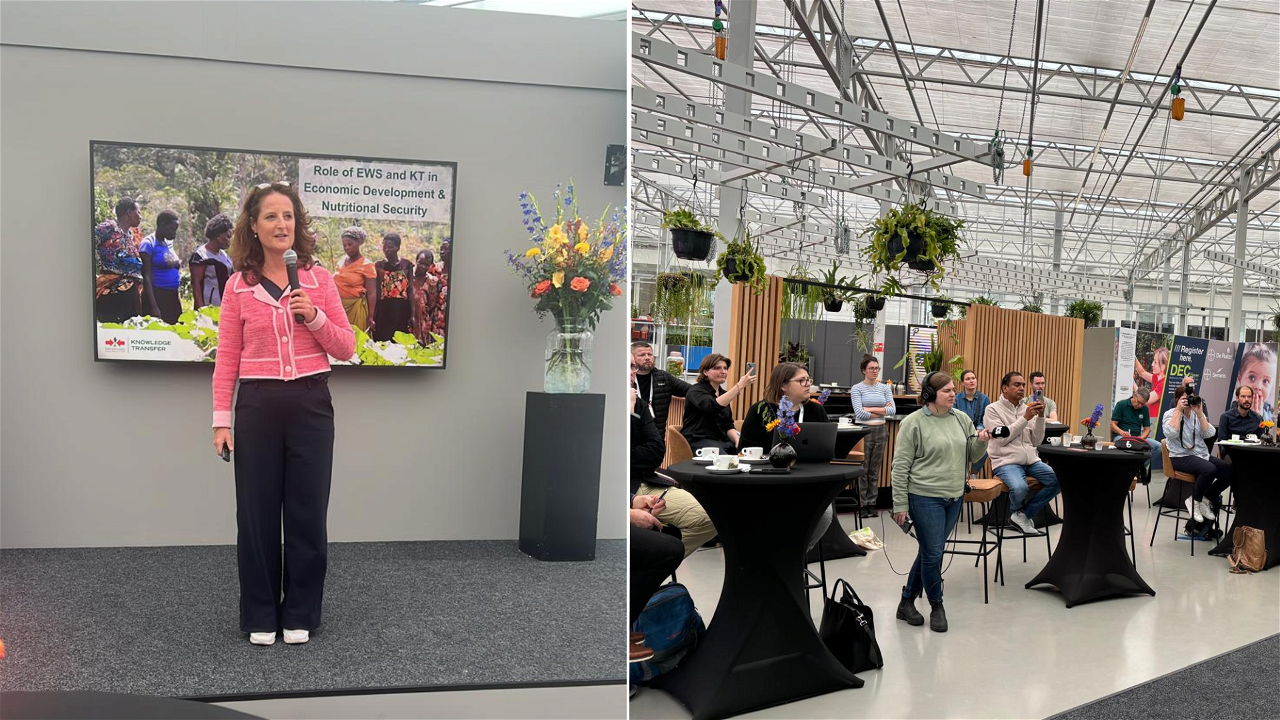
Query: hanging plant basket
[[730, 268], [913, 236], [690, 244], [740, 262], [875, 303], [832, 303], [940, 311]]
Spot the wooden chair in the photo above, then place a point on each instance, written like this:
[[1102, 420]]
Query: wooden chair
[[675, 412], [1178, 513], [983, 492], [678, 449]]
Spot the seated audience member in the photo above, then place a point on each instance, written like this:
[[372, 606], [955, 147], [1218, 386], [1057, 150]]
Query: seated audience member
[[656, 386], [1132, 417], [708, 421], [1038, 384], [654, 556], [1014, 456], [791, 380], [1240, 420], [1185, 430], [872, 400], [680, 508], [934, 447], [974, 404]]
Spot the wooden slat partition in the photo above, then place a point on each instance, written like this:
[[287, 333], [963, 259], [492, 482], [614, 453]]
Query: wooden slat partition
[[754, 335], [995, 341]]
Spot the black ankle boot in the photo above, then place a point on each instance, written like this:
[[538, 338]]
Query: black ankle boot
[[907, 611], [937, 618]]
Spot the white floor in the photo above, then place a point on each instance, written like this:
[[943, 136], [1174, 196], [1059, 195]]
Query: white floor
[[1024, 655], [594, 701]]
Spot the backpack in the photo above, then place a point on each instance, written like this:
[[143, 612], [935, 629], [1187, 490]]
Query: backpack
[[671, 627]]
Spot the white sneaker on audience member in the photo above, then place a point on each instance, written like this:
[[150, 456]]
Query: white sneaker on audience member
[[1206, 508], [1023, 523], [1197, 510], [262, 638], [296, 637]]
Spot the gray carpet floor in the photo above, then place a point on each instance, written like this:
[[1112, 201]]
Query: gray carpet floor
[[164, 621], [1240, 685]]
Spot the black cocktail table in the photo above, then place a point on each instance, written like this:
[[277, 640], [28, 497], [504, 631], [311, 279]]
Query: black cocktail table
[[1255, 485], [761, 648], [86, 704], [1090, 561]]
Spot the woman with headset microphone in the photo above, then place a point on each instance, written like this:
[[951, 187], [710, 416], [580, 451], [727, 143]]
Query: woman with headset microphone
[[935, 448]]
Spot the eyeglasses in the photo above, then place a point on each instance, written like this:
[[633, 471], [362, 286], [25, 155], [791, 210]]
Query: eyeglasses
[[803, 381], [266, 185]]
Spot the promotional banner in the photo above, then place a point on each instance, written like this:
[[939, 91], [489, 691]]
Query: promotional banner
[[1126, 353], [1186, 359], [1150, 366], [1215, 382], [1255, 366], [162, 227], [920, 339]]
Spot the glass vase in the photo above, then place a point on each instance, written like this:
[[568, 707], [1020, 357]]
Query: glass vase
[[1089, 440], [568, 358], [782, 455]]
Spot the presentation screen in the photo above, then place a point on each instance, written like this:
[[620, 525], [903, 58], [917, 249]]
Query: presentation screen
[[162, 227]]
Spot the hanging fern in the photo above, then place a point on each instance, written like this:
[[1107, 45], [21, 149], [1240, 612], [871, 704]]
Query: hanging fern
[[801, 302], [681, 296]]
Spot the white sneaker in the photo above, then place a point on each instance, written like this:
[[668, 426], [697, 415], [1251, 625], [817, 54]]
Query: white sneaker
[[296, 637], [1206, 509], [1023, 523], [262, 638], [1197, 510]]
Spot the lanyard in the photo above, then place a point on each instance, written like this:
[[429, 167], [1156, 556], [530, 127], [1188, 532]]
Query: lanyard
[[650, 401]]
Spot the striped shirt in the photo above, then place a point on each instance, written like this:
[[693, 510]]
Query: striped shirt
[[869, 396]]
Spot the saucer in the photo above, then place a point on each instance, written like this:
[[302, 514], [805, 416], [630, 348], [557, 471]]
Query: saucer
[[703, 460], [753, 460], [729, 471]]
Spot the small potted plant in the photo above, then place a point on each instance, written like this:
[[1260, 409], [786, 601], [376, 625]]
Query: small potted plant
[[1267, 430], [1089, 311], [1032, 307], [1090, 440], [939, 309], [833, 299], [913, 236], [980, 300], [742, 263], [690, 239]]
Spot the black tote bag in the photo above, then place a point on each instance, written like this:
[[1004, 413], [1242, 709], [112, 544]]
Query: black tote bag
[[849, 631]]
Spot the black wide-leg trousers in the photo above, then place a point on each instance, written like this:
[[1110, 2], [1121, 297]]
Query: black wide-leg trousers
[[283, 463]]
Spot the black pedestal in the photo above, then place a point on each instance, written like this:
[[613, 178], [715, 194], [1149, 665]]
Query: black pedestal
[[560, 487]]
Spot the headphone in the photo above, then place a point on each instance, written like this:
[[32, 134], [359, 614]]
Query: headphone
[[928, 393]]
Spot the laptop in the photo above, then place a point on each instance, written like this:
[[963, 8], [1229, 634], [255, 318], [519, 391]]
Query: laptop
[[816, 442]]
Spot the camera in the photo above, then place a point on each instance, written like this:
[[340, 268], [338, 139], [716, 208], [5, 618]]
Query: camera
[[1192, 398]]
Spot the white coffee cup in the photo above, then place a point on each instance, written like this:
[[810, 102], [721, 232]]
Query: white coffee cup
[[708, 452], [753, 453], [1055, 441], [1250, 437], [846, 422], [1236, 437], [726, 462]]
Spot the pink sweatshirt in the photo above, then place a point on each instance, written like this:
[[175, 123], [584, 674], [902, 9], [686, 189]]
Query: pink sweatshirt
[[259, 339]]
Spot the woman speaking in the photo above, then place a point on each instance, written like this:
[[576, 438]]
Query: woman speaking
[[936, 445], [283, 438]]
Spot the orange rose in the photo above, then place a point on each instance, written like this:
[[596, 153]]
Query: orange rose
[[614, 289], [579, 284], [541, 288]]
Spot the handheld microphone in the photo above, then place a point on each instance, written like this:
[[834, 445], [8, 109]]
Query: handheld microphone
[[1000, 432], [291, 265]]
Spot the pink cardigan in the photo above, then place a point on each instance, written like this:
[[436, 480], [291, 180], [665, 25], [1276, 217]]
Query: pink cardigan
[[259, 339]]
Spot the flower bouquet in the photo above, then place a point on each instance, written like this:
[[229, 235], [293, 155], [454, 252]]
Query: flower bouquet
[[573, 271], [1089, 441], [1268, 428], [782, 455], [822, 396]]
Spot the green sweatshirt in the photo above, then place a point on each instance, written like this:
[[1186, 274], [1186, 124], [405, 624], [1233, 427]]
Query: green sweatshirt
[[933, 455]]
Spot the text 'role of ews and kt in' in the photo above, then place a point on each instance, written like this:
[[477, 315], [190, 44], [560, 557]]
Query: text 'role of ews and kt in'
[[416, 192]]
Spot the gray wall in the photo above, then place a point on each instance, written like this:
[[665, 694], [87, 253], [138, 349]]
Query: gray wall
[[100, 454], [1098, 370]]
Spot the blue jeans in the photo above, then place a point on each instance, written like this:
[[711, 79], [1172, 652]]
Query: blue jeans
[[1014, 477], [934, 519], [1151, 442]]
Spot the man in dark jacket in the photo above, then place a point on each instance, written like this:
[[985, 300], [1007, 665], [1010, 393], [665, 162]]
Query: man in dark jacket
[[681, 509], [655, 386], [1241, 419]]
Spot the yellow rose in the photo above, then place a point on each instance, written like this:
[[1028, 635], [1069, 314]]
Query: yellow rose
[[582, 248], [582, 232], [533, 251], [558, 279]]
